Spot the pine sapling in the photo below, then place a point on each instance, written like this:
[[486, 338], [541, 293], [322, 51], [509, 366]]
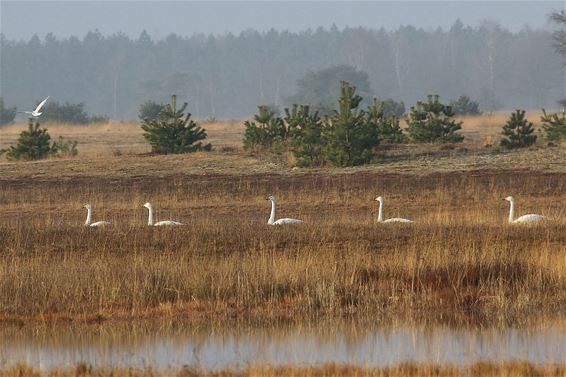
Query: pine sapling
[[518, 131]]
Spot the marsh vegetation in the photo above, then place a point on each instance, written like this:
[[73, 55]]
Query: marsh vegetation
[[460, 262], [460, 255]]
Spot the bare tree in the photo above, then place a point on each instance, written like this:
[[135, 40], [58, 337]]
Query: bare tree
[[399, 64], [559, 36]]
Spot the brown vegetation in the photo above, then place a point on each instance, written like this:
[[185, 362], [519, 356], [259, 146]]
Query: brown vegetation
[[126, 138], [482, 369], [461, 256]]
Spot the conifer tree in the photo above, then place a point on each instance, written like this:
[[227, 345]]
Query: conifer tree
[[305, 130], [387, 125], [431, 122], [33, 144], [518, 131], [554, 125], [150, 110], [266, 128], [465, 106], [7, 114], [349, 138], [391, 107], [173, 131]]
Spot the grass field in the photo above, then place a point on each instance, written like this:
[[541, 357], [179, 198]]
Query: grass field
[[484, 369], [459, 257]]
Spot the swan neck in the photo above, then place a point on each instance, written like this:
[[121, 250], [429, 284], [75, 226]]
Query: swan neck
[[511, 210], [272, 216], [150, 216], [380, 212], [88, 216]]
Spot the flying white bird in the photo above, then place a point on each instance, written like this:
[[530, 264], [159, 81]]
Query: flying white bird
[[272, 221], [392, 220], [530, 218], [89, 222], [159, 223], [36, 113]]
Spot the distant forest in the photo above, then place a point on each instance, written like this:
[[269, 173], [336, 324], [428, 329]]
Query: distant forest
[[229, 75]]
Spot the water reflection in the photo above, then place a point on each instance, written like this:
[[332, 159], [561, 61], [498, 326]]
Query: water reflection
[[163, 346]]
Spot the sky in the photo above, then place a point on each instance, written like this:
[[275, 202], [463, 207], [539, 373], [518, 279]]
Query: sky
[[22, 19]]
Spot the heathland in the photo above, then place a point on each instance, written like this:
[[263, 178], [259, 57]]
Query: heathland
[[459, 257], [483, 369]]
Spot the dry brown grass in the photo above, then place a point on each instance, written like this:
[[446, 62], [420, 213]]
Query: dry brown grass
[[482, 369], [125, 138], [460, 257], [120, 138], [119, 150], [486, 129]]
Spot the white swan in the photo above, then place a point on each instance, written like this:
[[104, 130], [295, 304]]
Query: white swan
[[35, 113], [272, 221], [89, 222], [393, 220], [530, 218], [159, 223]]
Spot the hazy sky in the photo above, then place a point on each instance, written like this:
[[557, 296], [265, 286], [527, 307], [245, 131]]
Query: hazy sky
[[22, 19]]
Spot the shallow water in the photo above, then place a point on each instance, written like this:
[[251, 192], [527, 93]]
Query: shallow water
[[164, 346]]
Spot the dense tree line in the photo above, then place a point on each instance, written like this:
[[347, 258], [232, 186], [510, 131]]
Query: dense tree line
[[228, 75]]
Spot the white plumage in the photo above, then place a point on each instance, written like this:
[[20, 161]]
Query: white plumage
[[89, 222], [36, 113], [530, 218], [284, 221], [392, 220], [159, 223]]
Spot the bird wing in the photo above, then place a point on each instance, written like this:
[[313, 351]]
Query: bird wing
[[41, 105]]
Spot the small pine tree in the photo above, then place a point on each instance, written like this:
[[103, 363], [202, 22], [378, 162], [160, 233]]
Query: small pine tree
[[65, 113], [349, 138], [66, 148], [432, 122], [390, 107], [465, 106], [33, 144], [174, 132], [150, 110], [305, 130], [387, 125], [266, 128], [518, 131], [554, 126], [7, 114]]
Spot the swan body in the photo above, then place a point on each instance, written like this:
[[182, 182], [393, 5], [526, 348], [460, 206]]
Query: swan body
[[530, 218], [89, 222], [284, 221], [37, 112], [167, 222], [388, 221], [396, 220], [159, 223]]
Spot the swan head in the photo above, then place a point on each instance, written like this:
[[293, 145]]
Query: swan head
[[88, 206], [271, 197], [509, 198], [147, 205], [379, 199]]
